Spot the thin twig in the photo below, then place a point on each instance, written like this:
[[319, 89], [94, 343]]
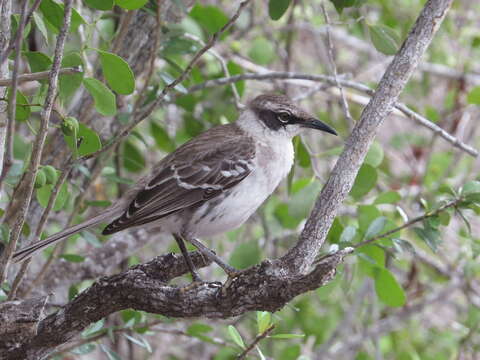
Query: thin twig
[[403, 109], [39, 76], [41, 225], [12, 103], [125, 131], [331, 58], [409, 223], [259, 337], [225, 70], [24, 190]]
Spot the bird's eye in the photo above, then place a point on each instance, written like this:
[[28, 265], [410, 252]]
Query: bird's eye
[[283, 117]]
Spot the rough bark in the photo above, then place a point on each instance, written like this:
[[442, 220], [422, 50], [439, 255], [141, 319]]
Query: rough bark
[[5, 11], [144, 287], [340, 182]]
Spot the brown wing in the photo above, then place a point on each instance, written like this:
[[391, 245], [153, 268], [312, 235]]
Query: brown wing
[[197, 171]]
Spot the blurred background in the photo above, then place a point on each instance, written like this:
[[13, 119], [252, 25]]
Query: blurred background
[[408, 295]]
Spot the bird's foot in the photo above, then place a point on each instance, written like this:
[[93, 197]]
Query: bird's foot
[[199, 282], [232, 274]]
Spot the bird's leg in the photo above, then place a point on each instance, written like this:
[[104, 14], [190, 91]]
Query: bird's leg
[[181, 244], [229, 270]]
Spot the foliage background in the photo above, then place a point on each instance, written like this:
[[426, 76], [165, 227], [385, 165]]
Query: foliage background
[[414, 294]]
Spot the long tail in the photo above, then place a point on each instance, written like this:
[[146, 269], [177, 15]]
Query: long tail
[[108, 215]]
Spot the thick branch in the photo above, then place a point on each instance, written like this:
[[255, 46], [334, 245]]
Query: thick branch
[[144, 287], [301, 256]]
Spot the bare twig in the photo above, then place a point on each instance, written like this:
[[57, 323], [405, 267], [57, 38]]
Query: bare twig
[[24, 190], [223, 64], [12, 103], [38, 76], [254, 343], [5, 17], [331, 58], [402, 108], [409, 223]]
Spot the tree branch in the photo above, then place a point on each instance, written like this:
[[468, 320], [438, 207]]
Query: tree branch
[[301, 256], [144, 287], [38, 76]]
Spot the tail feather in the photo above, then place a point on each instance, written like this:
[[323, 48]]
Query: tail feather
[[28, 251]]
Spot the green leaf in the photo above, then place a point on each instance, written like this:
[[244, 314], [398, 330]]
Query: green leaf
[[100, 4], [473, 96], [262, 51], [131, 4], [471, 188], [276, 8], [264, 319], [103, 97], [388, 289], [73, 258], [375, 155], [22, 113], [235, 69], [236, 337], [142, 343], [90, 142], [68, 84], [430, 236], [384, 39], [198, 329], [168, 79], [402, 245], [43, 195], [133, 159], [282, 214], [37, 61], [389, 197], [83, 349], [364, 182], [348, 234], [53, 13], [161, 137], [375, 227], [287, 336], [301, 153], [112, 355], [40, 24], [209, 17], [117, 73], [342, 4]]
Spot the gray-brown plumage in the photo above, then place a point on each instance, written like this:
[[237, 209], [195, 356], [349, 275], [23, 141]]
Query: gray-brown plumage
[[212, 183]]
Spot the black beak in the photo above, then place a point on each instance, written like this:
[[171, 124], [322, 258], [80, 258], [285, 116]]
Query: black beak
[[318, 125]]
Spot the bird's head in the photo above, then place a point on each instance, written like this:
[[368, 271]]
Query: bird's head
[[279, 114]]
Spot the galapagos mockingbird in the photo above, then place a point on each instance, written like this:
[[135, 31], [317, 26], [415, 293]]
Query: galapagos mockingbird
[[212, 183]]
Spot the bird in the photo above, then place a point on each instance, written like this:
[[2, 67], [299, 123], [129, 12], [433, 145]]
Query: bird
[[211, 184]]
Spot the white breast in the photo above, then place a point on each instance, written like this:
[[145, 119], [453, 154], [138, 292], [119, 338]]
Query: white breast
[[274, 159]]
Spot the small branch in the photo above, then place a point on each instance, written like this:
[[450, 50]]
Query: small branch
[[24, 191], [299, 258], [402, 108], [125, 131], [43, 220], [38, 76], [12, 103], [331, 58], [257, 339], [409, 223]]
